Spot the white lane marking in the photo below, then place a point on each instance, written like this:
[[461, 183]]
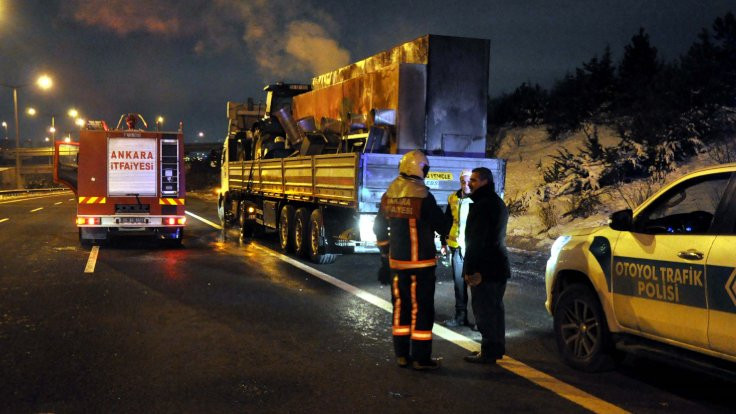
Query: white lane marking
[[29, 198], [36, 209], [543, 380], [203, 220], [3, 220], [90, 268], [57, 203]]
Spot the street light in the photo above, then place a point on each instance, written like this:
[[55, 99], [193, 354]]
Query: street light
[[201, 134], [44, 82], [52, 129], [73, 113], [5, 126], [159, 122]]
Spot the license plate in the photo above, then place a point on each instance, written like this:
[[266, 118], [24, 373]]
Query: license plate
[[133, 220]]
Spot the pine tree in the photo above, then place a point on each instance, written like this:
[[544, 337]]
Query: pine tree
[[636, 73]]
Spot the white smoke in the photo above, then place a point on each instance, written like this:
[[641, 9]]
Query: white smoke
[[285, 38]]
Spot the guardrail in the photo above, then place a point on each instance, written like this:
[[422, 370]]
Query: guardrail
[[29, 191]]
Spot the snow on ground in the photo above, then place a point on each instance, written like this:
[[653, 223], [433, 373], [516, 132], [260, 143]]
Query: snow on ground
[[528, 151]]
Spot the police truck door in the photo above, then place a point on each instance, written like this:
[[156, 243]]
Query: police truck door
[[721, 275], [659, 279]]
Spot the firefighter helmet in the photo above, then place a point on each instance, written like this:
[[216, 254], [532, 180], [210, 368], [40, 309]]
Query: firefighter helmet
[[414, 163]]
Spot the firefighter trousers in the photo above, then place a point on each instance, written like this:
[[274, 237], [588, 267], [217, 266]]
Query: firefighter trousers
[[412, 294]]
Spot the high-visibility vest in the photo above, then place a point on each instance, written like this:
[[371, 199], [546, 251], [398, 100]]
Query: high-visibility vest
[[459, 208]]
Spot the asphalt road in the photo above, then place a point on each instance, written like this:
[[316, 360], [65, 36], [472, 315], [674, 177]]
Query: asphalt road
[[220, 326]]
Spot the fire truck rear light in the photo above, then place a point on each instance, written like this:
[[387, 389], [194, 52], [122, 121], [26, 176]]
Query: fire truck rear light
[[181, 220], [89, 221], [171, 221]]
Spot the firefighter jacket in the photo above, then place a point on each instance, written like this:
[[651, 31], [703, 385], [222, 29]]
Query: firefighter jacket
[[457, 211], [411, 213]]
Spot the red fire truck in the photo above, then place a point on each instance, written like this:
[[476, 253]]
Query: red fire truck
[[127, 181]]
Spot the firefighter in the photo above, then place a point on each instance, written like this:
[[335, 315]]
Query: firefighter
[[458, 204], [412, 214]]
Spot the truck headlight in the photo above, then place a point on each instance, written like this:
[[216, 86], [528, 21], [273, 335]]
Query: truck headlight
[[365, 224]]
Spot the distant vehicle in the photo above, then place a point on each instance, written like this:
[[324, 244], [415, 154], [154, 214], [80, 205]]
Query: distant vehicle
[[127, 181], [319, 184], [659, 279]]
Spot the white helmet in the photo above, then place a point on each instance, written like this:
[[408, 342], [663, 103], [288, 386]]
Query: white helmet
[[414, 163]]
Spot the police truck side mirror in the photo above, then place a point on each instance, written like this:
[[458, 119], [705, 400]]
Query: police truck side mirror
[[621, 220]]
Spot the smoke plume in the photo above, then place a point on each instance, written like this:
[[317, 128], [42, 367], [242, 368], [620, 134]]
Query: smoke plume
[[286, 38]]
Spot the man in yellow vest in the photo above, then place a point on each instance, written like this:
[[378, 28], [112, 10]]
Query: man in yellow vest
[[458, 205]]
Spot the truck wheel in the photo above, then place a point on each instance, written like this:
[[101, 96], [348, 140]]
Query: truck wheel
[[317, 240], [301, 232], [581, 330], [286, 228]]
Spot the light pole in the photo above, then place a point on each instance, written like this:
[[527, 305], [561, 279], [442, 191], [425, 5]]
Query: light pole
[[44, 82], [159, 123], [5, 126]]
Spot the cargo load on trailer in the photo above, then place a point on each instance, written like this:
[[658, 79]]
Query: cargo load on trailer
[[314, 161], [128, 181]]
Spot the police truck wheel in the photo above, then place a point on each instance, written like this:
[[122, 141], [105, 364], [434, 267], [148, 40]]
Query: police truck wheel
[[286, 228], [581, 330], [301, 232], [318, 240]]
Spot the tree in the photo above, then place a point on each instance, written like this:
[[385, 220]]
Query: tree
[[636, 73], [600, 85], [525, 106]]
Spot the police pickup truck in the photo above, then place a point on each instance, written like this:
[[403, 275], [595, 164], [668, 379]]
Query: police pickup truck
[[661, 277]]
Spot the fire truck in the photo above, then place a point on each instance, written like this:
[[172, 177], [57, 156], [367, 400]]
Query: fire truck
[[128, 181], [314, 161]]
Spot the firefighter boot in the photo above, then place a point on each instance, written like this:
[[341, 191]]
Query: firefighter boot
[[430, 364]]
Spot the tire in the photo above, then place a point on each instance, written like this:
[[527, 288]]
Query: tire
[[317, 240], [581, 330], [248, 228], [301, 232], [286, 228]]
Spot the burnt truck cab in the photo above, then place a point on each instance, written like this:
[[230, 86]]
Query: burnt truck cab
[[127, 182]]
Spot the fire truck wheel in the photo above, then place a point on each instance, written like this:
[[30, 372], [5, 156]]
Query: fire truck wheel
[[318, 240], [301, 232], [286, 228]]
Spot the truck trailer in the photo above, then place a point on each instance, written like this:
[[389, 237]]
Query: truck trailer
[[127, 181], [314, 161]]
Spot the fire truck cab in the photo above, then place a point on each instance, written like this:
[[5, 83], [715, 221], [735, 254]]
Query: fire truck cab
[[127, 181]]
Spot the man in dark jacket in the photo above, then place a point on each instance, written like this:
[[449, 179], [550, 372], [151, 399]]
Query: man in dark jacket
[[486, 266], [411, 213]]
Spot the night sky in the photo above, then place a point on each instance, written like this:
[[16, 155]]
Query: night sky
[[184, 60]]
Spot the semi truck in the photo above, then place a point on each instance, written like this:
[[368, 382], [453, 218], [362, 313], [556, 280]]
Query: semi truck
[[313, 162], [128, 181]]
